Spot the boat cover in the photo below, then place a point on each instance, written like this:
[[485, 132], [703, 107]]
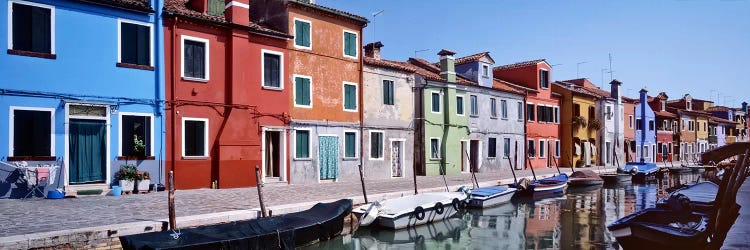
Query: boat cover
[[585, 174], [640, 167], [322, 221], [488, 191], [557, 179], [704, 192]]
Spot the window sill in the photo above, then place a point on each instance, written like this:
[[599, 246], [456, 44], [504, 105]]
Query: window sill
[[350, 159], [32, 158], [303, 159], [134, 66], [140, 158], [435, 159], [195, 157], [493, 117], [302, 47], [194, 79], [273, 88], [32, 54], [350, 110], [376, 159], [475, 116], [504, 118]]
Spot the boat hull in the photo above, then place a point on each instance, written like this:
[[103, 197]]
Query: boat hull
[[650, 229], [410, 219], [482, 202], [616, 178], [582, 182], [403, 212]]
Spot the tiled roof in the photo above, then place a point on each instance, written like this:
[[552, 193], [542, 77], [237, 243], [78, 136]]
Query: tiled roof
[[576, 89], [429, 71], [330, 10], [137, 5], [665, 114], [467, 59], [629, 100], [506, 86], [718, 109], [181, 8], [721, 120], [389, 64], [518, 65]]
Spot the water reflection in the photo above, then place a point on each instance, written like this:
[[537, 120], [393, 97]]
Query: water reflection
[[576, 220]]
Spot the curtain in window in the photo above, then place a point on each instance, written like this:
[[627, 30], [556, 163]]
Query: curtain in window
[[31, 28], [139, 126], [376, 145], [328, 157], [435, 149], [506, 147]]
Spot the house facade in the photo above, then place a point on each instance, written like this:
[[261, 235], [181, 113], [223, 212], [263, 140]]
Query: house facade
[[666, 123], [228, 91], [645, 130], [88, 127], [542, 109], [578, 139], [326, 107], [628, 116], [388, 111]]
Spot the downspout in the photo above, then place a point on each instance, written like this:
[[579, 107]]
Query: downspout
[[446, 126], [172, 93], [360, 91], [159, 65], [525, 132]]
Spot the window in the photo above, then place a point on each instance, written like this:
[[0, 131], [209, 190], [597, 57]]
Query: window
[[638, 125], [350, 97], [493, 108], [302, 144], [557, 148], [195, 63], [609, 113], [350, 44], [436, 103], [542, 146], [350, 144], [302, 34], [473, 105], [576, 109], [543, 78], [194, 137], [492, 148], [32, 132], [663, 105], [504, 109], [376, 145], [135, 43], [506, 147], [556, 113], [434, 148], [388, 92], [459, 104], [645, 151], [216, 7], [530, 112], [485, 71], [531, 148], [302, 91], [651, 125], [135, 135], [689, 105], [273, 70], [520, 111], [32, 27], [630, 121]]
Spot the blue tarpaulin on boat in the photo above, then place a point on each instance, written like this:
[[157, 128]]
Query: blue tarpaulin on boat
[[488, 191]]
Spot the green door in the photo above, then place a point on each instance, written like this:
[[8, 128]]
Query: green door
[[328, 157], [88, 151]]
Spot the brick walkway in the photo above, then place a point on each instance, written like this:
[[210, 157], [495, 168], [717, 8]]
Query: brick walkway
[[39, 215]]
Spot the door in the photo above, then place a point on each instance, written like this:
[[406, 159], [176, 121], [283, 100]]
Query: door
[[464, 157], [88, 149], [273, 154], [397, 155], [474, 155], [328, 155]]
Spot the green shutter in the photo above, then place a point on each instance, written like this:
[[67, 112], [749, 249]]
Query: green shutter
[[302, 141], [350, 44], [301, 33], [350, 97], [388, 92], [301, 91], [350, 140], [216, 7]]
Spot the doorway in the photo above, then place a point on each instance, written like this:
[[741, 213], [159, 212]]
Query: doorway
[[87, 149], [474, 155], [272, 155], [464, 156], [397, 158]]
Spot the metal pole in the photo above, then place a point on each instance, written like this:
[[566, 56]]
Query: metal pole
[[172, 219], [362, 179], [263, 211]]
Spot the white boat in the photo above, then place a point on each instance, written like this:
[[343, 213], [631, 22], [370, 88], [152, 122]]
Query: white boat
[[490, 196], [412, 210]]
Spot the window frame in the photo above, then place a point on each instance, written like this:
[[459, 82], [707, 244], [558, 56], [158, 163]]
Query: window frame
[[532, 143], [542, 147], [309, 144], [463, 105], [557, 149], [504, 109], [473, 105], [343, 44], [11, 127], [355, 144], [392, 87], [343, 96], [491, 154], [440, 102], [541, 85], [206, 58], [120, 130], [263, 53], [294, 91], [521, 111], [438, 148], [485, 71], [205, 137], [150, 26], [294, 31], [533, 109], [382, 145], [506, 139], [493, 108], [52, 23]]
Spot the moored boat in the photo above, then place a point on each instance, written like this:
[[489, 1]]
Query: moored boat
[[656, 228], [640, 170], [616, 177], [490, 196], [702, 196], [322, 221], [584, 178], [542, 187], [679, 170], [412, 210]]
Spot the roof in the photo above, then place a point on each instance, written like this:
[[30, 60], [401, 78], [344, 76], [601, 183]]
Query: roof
[[719, 109], [665, 114], [431, 72], [389, 64], [576, 89], [341, 13], [721, 120], [506, 86], [137, 5], [474, 57], [181, 8], [519, 64]]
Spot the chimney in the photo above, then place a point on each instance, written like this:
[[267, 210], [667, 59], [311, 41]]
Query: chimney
[[615, 89], [372, 50], [199, 5], [447, 65], [237, 12], [644, 122], [744, 107]]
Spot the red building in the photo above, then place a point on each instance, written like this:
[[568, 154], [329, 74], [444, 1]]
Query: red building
[[666, 123], [542, 110], [227, 86]]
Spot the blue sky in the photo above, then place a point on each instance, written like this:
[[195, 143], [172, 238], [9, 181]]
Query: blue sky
[[677, 47]]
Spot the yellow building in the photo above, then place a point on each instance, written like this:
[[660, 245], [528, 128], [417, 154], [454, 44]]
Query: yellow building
[[578, 124], [701, 133]]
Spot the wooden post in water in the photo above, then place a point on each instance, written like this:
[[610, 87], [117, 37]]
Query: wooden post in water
[[531, 166], [263, 211], [362, 179], [170, 197], [513, 171], [549, 157]]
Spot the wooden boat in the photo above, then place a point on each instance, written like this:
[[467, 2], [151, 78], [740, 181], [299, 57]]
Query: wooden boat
[[584, 178], [321, 222], [490, 196], [679, 170], [371, 238], [656, 228], [697, 169], [542, 187], [702, 196], [616, 177], [412, 210], [640, 170]]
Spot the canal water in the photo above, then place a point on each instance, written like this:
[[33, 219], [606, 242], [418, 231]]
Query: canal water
[[577, 219]]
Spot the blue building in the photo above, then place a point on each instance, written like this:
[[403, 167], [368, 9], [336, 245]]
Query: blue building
[[645, 130], [82, 88]]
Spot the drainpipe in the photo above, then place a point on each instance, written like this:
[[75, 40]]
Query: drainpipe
[[172, 93], [360, 93], [159, 36], [643, 121], [525, 132]]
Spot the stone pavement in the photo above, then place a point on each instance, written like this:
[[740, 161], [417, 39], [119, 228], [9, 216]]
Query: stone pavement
[[23, 217], [739, 235]]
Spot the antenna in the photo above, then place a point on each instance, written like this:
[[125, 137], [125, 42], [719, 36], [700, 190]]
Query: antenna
[[421, 50], [578, 64], [603, 71], [374, 15], [611, 76]]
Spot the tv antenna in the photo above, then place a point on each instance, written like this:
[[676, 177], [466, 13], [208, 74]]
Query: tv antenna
[[421, 50], [374, 15]]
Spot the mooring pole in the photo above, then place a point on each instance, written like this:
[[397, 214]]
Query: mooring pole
[[170, 197], [362, 179], [260, 191], [510, 163], [531, 166]]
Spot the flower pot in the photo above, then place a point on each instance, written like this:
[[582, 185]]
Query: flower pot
[[127, 185], [142, 185]]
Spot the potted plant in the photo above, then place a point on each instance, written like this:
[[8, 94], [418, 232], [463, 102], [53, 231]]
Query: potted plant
[[139, 147], [579, 121], [143, 181], [127, 176], [595, 124]]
